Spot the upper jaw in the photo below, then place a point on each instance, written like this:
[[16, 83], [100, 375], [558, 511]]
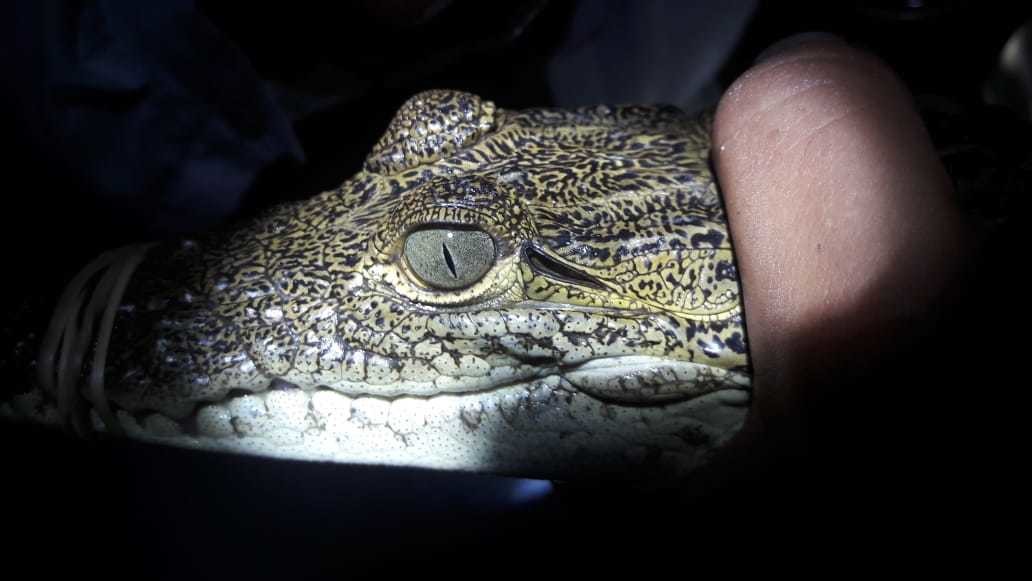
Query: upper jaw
[[608, 353]]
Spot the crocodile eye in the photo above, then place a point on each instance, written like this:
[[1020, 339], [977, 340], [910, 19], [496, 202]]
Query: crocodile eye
[[449, 258]]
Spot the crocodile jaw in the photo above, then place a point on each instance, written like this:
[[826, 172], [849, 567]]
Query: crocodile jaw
[[562, 423], [545, 428]]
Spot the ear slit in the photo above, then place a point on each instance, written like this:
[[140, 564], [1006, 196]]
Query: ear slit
[[550, 267]]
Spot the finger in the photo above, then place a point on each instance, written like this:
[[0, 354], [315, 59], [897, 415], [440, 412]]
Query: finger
[[840, 211]]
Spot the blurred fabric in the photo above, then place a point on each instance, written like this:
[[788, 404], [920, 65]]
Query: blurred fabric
[[151, 109], [144, 103], [664, 51]]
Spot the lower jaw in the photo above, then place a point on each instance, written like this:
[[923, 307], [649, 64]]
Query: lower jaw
[[543, 429]]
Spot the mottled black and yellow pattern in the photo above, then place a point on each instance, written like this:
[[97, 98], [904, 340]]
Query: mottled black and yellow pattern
[[612, 303]]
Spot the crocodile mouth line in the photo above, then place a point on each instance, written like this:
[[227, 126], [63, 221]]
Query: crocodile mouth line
[[286, 413], [580, 379]]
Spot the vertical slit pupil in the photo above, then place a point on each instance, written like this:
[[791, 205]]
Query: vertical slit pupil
[[448, 259]]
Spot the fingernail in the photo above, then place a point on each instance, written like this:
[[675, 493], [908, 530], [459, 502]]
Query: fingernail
[[786, 44]]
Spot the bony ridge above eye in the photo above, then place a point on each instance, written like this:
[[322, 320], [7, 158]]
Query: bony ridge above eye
[[448, 257]]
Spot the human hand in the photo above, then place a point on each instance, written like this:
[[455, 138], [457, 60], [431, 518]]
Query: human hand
[[842, 220]]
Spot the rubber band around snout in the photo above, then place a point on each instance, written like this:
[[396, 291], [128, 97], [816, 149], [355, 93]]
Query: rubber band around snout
[[80, 311]]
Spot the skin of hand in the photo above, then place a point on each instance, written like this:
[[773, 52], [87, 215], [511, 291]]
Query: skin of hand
[[842, 218]]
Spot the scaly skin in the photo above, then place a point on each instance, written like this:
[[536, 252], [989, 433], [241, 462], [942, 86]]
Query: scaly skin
[[606, 336]]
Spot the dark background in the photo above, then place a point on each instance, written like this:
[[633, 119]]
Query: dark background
[[918, 460]]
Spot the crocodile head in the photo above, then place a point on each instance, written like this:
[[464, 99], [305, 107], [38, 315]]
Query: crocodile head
[[541, 292]]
